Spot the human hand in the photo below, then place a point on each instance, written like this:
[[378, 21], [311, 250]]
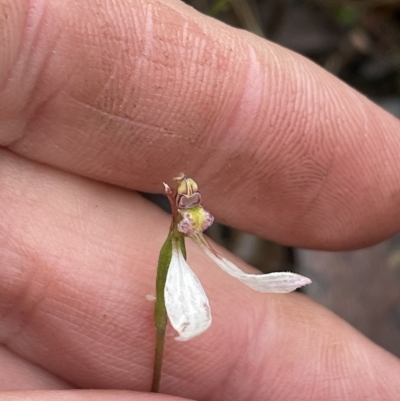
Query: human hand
[[130, 94]]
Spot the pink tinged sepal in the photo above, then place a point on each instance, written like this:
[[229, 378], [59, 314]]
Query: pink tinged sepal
[[185, 300], [282, 282]]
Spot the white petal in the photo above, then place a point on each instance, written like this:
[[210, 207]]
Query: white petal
[[271, 282], [185, 300]]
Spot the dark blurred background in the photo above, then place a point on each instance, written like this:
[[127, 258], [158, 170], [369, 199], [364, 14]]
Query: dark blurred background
[[359, 41]]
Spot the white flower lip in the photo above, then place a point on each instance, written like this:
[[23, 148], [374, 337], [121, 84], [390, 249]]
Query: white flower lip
[[185, 299]]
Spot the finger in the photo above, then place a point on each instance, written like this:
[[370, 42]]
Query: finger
[[79, 259], [83, 395], [17, 373], [139, 91]]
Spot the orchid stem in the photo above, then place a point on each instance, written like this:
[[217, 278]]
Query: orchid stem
[[160, 312], [160, 339]]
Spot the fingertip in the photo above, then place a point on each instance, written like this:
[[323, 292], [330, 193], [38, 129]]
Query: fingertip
[[136, 92]]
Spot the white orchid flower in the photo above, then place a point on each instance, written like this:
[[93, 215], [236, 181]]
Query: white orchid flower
[[180, 296], [186, 303]]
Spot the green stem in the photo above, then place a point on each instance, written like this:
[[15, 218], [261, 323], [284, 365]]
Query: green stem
[[160, 312], [160, 339]]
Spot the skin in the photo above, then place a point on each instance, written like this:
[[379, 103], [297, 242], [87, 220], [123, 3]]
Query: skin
[[102, 98]]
